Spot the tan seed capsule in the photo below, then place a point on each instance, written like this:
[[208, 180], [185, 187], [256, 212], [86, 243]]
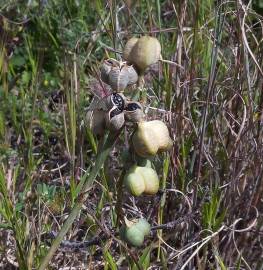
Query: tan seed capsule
[[140, 180], [114, 100], [114, 119], [145, 52], [128, 47], [134, 183], [151, 180], [150, 138], [134, 112], [96, 121], [118, 79], [132, 75], [118, 74]]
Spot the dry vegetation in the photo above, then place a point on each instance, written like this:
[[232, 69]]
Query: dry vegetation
[[208, 89]]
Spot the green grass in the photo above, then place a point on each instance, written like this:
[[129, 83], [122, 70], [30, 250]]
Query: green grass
[[208, 89]]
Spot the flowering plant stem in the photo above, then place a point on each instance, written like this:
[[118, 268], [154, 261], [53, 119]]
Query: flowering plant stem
[[89, 179]]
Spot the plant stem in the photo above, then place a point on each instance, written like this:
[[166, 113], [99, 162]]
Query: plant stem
[[96, 240], [119, 211], [140, 85], [89, 179]]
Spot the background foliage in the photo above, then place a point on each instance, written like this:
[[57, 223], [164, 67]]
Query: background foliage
[[208, 90]]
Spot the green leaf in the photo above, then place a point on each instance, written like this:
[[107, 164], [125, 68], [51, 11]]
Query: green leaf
[[221, 263], [2, 125], [92, 141], [5, 226], [110, 261], [144, 260], [18, 61], [26, 77]]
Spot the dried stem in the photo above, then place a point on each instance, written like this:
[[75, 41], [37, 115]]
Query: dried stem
[[96, 240], [120, 197]]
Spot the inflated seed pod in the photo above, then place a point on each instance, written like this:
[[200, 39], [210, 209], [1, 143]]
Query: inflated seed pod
[[143, 53], [140, 180], [128, 47], [162, 135], [151, 137], [114, 119], [133, 232], [143, 226], [134, 183], [134, 236], [151, 180], [144, 141], [134, 111], [96, 121]]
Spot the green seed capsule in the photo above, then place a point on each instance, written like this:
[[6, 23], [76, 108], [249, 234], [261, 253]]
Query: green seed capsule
[[133, 232], [143, 226], [134, 236], [134, 183]]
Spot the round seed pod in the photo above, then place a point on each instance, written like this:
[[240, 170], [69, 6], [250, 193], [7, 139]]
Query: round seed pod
[[140, 180], [143, 226], [128, 47], [134, 112], [134, 182], [145, 52], [96, 121], [162, 135], [144, 141], [133, 232], [151, 137], [114, 119], [151, 181], [134, 236]]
